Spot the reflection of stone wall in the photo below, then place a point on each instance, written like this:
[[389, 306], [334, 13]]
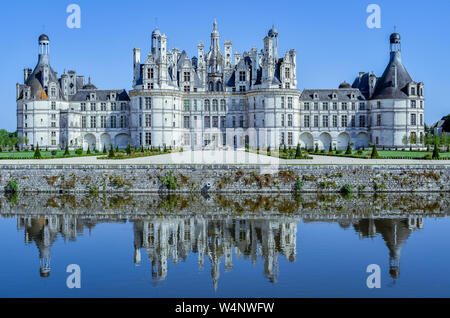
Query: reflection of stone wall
[[308, 206], [225, 178]]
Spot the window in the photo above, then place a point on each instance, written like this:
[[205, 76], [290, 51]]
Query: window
[[421, 119], [83, 122], [290, 141], [186, 105], [122, 122], [289, 102], [241, 121], [282, 120], [287, 73], [222, 121], [207, 106], [103, 121], [53, 91], [93, 122], [335, 121], [344, 121], [140, 122], [306, 106], [344, 106], [215, 122], [413, 91], [362, 106], [413, 119], [378, 104], [53, 133], [325, 106], [325, 121], [223, 106], [123, 106], [113, 107], [378, 119], [353, 106], [335, 106], [207, 122], [362, 121], [316, 106], [150, 73], [53, 116], [93, 107], [289, 120], [287, 85], [306, 122], [187, 76], [282, 102], [234, 121], [187, 139], [103, 106], [148, 103], [53, 105], [187, 89], [242, 104], [113, 122], [241, 76], [53, 124], [148, 138], [215, 105], [316, 121], [242, 88], [148, 120], [186, 122], [413, 104]]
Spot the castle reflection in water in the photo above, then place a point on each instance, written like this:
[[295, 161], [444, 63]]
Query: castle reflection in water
[[218, 239]]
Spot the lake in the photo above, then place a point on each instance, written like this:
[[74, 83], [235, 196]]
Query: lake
[[149, 245]]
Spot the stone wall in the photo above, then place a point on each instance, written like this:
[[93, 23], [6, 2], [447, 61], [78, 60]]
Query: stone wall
[[225, 178]]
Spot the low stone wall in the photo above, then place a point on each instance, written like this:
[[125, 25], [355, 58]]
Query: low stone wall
[[225, 178]]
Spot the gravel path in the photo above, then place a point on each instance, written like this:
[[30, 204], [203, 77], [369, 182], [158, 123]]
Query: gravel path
[[223, 157]]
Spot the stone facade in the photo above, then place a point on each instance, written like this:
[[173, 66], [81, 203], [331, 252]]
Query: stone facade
[[215, 100]]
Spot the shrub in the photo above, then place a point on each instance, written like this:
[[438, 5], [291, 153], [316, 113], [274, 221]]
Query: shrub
[[347, 189], [435, 152], [54, 152], [88, 150], [104, 150], [349, 150], [316, 150], [428, 156], [298, 152], [12, 186], [128, 149], [66, 151], [117, 148], [268, 151], [374, 154], [111, 152], [79, 151], [170, 182], [298, 185], [37, 153]]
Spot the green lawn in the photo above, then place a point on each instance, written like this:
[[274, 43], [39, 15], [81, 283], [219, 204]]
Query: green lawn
[[409, 154], [30, 154]]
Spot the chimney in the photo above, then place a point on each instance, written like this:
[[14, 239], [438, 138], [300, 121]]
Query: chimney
[[26, 74]]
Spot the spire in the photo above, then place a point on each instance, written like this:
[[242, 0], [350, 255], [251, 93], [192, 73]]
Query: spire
[[215, 25]]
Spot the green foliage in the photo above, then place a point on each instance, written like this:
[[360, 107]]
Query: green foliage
[[374, 154], [10, 139], [104, 149], [79, 151], [298, 185], [128, 149], [298, 152], [111, 152], [268, 151], [316, 150], [88, 150], [170, 182], [349, 149], [37, 153], [347, 189], [12, 186], [54, 152], [435, 154], [66, 151]]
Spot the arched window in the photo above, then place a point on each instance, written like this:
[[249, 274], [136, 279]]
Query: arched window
[[219, 86], [211, 86]]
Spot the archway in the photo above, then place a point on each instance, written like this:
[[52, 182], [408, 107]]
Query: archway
[[105, 140], [362, 140], [325, 141], [121, 141], [342, 141], [306, 141], [89, 140]]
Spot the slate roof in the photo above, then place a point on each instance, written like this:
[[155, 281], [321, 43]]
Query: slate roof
[[327, 94], [82, 95]]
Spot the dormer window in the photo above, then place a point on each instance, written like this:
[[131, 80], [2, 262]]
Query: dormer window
[[287, 73], [242, 76], [92, 96], [187, 76], [413, 91], [316, 96]]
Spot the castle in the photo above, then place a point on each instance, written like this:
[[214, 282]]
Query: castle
[[215, 101]]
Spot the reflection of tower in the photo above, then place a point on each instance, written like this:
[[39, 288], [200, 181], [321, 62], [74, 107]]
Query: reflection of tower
[[395, 233], [138, 238]]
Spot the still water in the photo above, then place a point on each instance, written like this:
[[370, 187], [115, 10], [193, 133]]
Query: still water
[[225, 246]]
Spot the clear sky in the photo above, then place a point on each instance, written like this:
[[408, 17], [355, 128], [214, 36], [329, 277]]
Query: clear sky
[[332, 39]]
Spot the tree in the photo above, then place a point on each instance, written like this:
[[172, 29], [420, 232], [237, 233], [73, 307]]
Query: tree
[[66, 151], [104, 149], [374, 154], [268, 151], [298, 152], [117, 148], [111, 152], [37, 153], [435, 154], [316, 150], [413, 138], [128, 149], [405, 140], [88, 152], [349, 149]]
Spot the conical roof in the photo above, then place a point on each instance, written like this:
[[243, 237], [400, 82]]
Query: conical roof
[[392, 84]]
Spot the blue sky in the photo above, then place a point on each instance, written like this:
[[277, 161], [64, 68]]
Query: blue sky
[[332, 40]]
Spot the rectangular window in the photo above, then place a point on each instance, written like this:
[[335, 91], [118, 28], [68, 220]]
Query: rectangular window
[[187, 139], [413, 104], [186, 122], [207, 122], [289, 120], [222, 121], [282, 102], [335, 106], [306, 122], [215, 121], [378, 119], [113, 107], [83, 107], [83, 122], [215, 105], [335, 121], [362, 106], [344, 121], [93, 107], [148, 120], [123, 106], [344, 106], [413, 119], [282, 120], [290, 139], [241, 121], [186, 105], [53, 124], [103, 121], [316, 106], [242, 88], [148, 103], [282, 138], [93, 122], [421, 119], [113, 122], [207, 106], [287, 73], [325, 121], [306, 106], [148, 138], [53, 105], [242, 76], [362, 121], [103, 106], [187, 89], [378, 104], [353, 121], [187, 76], [316, 121], [325, 106], [122, 121], [289, 102], [242, 104], [353, 106], [223, 106]]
